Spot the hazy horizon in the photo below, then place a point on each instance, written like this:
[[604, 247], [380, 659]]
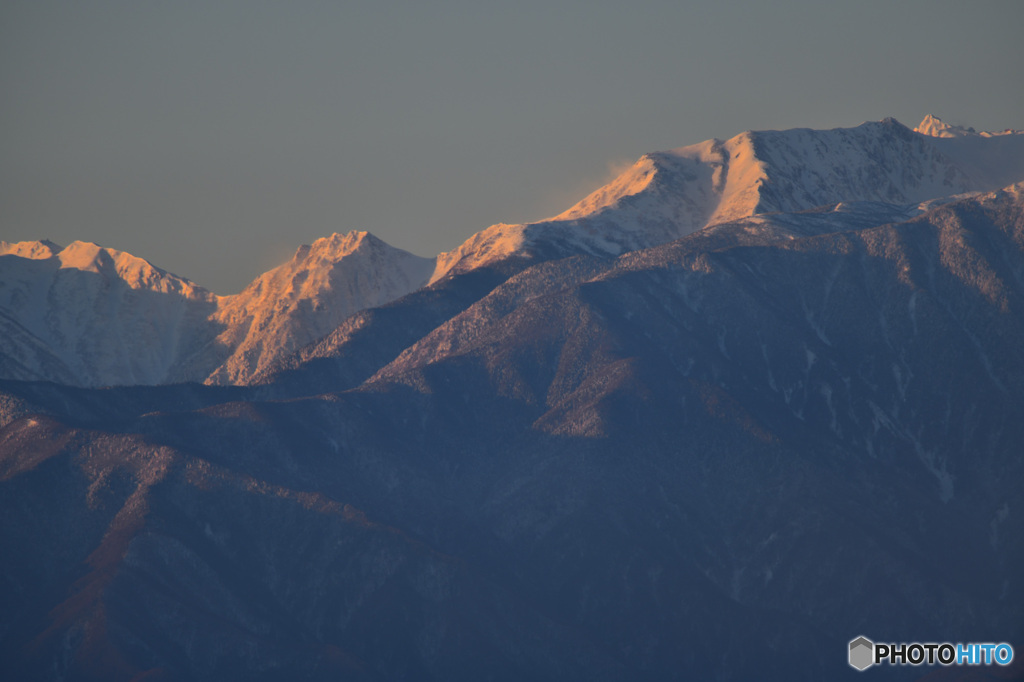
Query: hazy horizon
[[212, 140]]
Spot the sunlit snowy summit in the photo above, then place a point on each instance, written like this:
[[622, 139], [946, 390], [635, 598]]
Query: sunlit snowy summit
[[666, 195], [92, 316]]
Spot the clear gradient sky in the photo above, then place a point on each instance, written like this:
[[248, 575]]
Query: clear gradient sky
[[214, 137]]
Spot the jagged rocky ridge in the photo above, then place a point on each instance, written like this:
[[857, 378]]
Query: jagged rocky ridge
[[722, 457]]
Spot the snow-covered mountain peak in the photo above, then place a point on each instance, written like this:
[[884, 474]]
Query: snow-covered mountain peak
[[307, 297], [711, 179], [88, 315], [667, 195], [662, 196], [634, 180], [137, 273], [111, 264], [75, 314], [933, 126], [37, 250], [313, 266], [87, 257], [875, 161], [337, 245]]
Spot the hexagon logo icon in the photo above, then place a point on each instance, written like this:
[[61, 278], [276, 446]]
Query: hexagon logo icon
[[862, 653]]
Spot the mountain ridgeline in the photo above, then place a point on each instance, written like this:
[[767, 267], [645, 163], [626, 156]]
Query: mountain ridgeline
[[749, 401]]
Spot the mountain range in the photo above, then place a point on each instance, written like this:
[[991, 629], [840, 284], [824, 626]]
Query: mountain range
[[91, 316], [750, 400]]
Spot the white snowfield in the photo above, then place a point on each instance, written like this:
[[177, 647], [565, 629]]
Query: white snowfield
[[92, 316]]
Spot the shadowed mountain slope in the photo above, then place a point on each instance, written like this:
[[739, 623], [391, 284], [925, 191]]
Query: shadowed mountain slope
[[719, 458]]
